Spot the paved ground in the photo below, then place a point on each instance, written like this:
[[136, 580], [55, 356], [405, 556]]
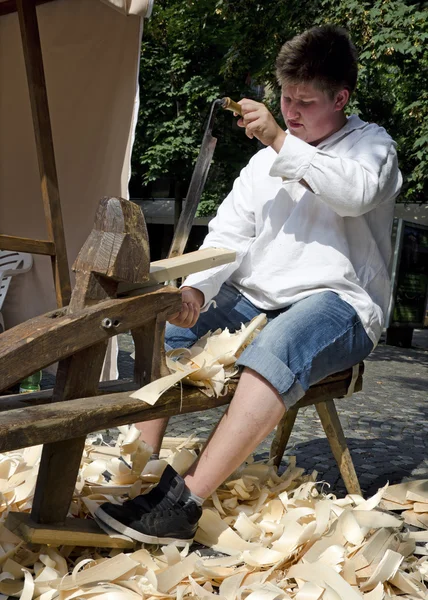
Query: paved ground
[[385, 424]]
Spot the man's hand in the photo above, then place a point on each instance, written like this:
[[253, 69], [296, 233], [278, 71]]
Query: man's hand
[[259, 123], [192, 302]]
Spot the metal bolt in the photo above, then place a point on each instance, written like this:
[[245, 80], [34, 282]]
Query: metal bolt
[[107, 323]]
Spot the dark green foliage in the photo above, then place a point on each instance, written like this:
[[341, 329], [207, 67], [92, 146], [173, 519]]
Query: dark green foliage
[[194, 51], [392, 38]]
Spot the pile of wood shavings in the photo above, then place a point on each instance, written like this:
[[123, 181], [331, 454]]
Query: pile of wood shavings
[[276, 536], [209, 364]]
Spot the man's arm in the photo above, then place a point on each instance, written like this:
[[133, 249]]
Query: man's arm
[[232, 228], [350, 185]]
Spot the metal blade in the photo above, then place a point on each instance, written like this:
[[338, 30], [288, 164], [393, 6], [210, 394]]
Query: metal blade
[[196, 187]]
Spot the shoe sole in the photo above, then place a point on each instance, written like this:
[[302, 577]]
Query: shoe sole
[[137, 535]]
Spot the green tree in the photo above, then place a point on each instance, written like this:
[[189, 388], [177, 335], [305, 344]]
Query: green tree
[[197, 50], [183, 52], [392, 38]]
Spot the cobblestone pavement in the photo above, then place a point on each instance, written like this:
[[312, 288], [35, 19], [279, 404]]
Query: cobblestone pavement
[[385, 424]]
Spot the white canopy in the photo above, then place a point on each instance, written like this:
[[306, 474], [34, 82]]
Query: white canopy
[[91, 59]]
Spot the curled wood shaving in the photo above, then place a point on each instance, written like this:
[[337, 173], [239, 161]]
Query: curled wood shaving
[[208, 364], [280, 537]]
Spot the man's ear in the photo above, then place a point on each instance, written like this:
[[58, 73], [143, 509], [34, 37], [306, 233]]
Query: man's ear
[[342, 98]]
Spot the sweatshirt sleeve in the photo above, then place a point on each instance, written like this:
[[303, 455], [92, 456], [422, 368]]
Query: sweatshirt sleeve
[[351, 185], [233, 228]]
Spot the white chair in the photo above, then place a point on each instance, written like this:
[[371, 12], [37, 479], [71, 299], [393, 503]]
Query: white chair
[[11, 263]]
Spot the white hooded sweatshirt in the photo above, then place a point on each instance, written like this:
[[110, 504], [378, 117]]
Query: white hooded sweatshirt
[[291, 242]]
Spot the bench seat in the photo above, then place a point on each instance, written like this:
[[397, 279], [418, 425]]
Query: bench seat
[[30, 419]]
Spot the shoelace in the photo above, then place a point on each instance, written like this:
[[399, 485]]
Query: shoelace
[[152, 518], [170, 499]]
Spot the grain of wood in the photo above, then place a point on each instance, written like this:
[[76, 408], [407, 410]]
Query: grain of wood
[[20, 244], [73, 532], [44, 146]]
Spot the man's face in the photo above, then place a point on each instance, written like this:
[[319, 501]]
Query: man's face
[[310, 114]]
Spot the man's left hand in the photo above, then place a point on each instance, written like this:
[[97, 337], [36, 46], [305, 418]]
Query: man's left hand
[[259, 123]]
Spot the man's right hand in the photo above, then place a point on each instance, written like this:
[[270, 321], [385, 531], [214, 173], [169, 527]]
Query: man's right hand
[[192, 302]]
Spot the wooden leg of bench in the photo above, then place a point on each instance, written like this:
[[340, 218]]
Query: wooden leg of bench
[[77, 377], [282, 435], [333, 429]]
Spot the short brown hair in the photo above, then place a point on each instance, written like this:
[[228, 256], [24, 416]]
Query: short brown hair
[[324, 56]]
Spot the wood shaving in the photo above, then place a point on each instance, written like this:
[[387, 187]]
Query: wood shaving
[[279, 536], [208, 364]]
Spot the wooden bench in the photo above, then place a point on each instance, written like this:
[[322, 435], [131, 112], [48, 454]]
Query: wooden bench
[[77, 336]]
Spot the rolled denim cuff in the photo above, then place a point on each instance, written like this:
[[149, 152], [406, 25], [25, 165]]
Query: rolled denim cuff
[[271, 368]]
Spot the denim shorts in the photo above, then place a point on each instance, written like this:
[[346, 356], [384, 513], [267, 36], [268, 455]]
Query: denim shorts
[[300, 345]]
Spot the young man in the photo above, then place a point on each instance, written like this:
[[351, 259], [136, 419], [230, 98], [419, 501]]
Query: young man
[[310, 219]]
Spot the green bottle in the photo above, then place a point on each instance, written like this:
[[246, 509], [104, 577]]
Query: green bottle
[[31, 383]]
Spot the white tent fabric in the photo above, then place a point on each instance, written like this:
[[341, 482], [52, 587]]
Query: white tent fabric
[[133, 7], [91, 58]]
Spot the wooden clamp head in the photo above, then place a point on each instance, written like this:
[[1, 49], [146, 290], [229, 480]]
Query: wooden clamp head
[[117, 246], [117, 249]]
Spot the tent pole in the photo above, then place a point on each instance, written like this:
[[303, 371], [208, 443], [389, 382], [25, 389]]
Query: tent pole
[[44, 144]]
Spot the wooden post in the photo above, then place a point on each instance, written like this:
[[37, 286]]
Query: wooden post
[[149, 351], [336, 438], [282, 435], [44, 144], [116, 250]]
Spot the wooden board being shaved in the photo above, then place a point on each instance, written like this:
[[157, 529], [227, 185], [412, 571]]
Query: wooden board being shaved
[[180, 266]]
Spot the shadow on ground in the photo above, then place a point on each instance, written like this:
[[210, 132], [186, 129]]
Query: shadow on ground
[[372, 460]]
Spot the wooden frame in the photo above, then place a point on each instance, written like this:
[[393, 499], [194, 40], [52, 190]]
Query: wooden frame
[[55, 245]]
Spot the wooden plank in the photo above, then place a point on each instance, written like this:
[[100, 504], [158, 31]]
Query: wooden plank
[[310, 399], [169, 269], [44, 145], [60, 421], [20, 244], [74, 532], [169, 442], [42, 341], [336, 438], [13, 401]]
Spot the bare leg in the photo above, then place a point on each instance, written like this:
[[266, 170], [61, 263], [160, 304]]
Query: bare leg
[[152, 432], [253, 413]]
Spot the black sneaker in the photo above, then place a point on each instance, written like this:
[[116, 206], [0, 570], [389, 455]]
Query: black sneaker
[[146, 502], [170, 518]]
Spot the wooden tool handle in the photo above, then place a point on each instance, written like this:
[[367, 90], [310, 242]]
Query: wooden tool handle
[[229, 104]]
